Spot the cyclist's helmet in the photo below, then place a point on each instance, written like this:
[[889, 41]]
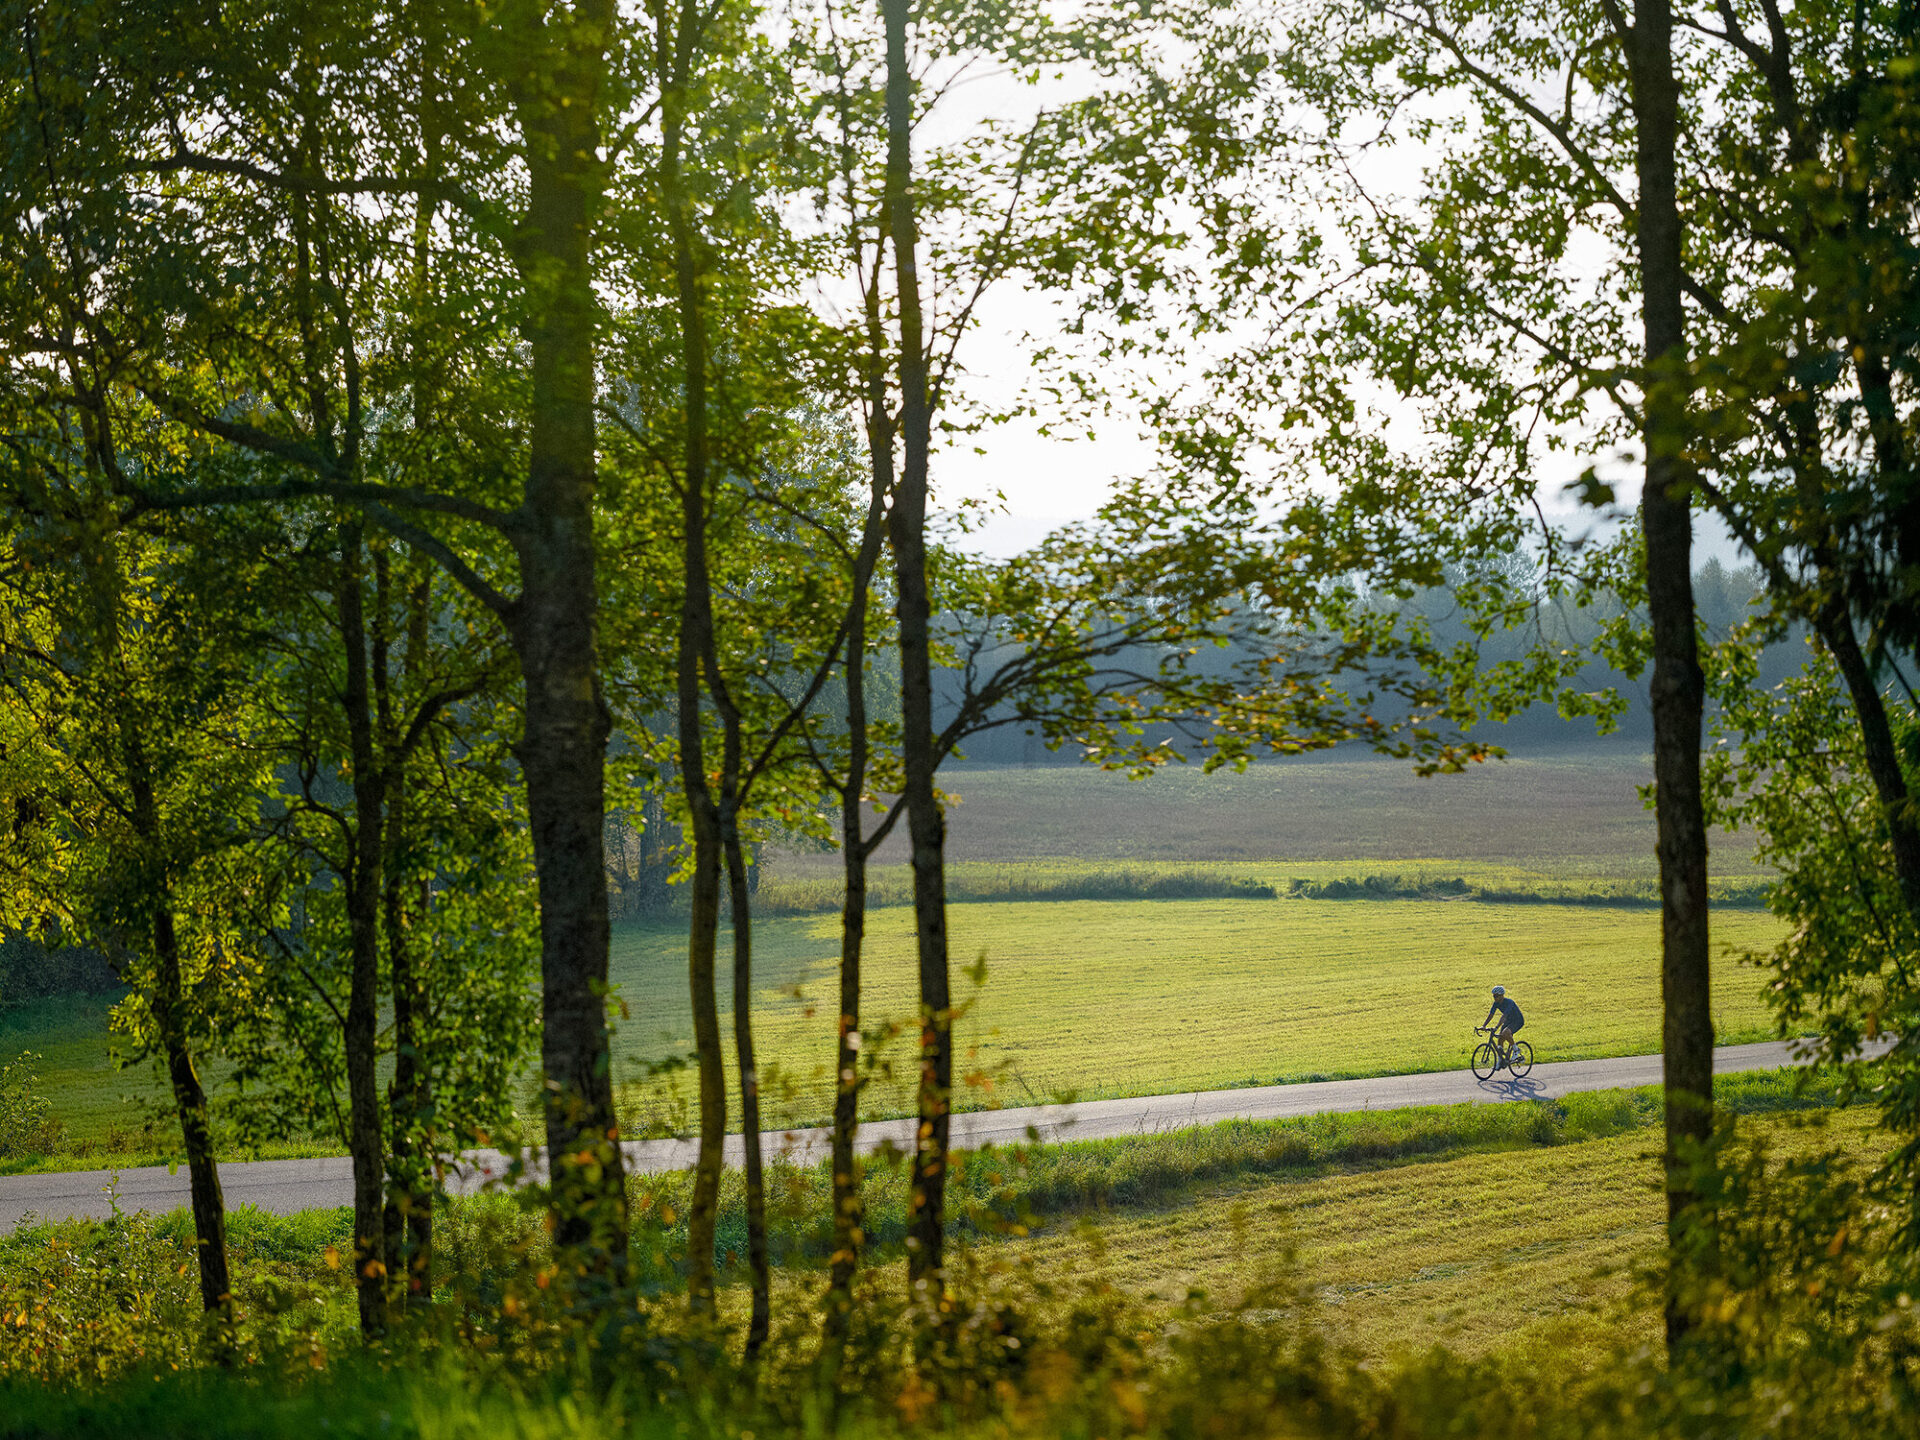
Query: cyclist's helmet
[[1499, 990]]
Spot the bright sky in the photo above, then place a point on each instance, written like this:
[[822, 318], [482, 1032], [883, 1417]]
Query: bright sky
[[1028, 484]]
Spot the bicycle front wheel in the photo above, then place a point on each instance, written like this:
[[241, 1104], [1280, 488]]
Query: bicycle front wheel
[[1520, 1058], [1486, 1059]]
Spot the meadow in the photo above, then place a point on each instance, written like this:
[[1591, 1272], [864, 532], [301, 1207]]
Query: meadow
[[1216, 958], [1093, 998]]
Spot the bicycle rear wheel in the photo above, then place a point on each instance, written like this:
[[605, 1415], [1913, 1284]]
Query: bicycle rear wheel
[[1486, 1060], [1520, 1058]]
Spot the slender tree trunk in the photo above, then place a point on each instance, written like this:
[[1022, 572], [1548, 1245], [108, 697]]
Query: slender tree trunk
[[410, 1188], [196, 1126], [703, 1211], [409, 1210], [168, 1004], [363, 874], [563, 749], [1678, 691], [757, 1263], [696, 645], [849, 1219], [926, 824]]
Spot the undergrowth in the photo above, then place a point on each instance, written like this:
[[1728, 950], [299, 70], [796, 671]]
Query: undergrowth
[[1812, 1330]]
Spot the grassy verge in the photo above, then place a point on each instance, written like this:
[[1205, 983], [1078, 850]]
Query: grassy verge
[[1006, 1192]]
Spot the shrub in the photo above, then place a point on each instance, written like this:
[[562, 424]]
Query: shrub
[[27, 1125]]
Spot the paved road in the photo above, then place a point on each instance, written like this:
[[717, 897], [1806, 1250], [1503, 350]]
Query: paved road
[[286, 1186]]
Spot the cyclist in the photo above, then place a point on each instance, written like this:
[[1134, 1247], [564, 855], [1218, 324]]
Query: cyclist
[[1510, 1019]]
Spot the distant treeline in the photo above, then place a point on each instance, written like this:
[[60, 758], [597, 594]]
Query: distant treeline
[[30, 971], [779, 895], [1723, 597], [1624, 894]]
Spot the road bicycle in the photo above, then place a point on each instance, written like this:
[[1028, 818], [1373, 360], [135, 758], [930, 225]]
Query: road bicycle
[[1487, 1059]]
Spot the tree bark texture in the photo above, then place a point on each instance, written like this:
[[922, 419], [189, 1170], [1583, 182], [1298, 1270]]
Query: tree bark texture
[[760, 1317], [563, 750], [1678, 690], [362, 875], [849, 1218], [703, 924], [926, 824]]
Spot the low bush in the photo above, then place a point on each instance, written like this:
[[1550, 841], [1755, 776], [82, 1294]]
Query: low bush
[[779, 895], [27, 1123]]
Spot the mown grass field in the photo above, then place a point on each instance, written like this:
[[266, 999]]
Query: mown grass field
[[1523, 1250], [1576, 813], [1133, 996], [1110, 998]]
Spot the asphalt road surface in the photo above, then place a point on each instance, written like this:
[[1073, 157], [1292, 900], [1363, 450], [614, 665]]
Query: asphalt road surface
[[287, 1186]]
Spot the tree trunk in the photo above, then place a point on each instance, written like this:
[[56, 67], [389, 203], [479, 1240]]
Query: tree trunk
[[410, 1189], [1882, 754], [757, 1264], [362, 877], [703, 1211], [563, 750], [168, 1003], [1678, 690], [196, 1126], [926, 824], [409, 1212], [848, 1212], [849, 1218], [696, 646]]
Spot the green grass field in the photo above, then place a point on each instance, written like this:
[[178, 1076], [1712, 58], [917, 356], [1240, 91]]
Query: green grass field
[[1133, 996], [1109, 998]]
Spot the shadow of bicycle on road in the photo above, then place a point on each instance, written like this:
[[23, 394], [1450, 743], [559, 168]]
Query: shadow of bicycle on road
[[1508, 1088]]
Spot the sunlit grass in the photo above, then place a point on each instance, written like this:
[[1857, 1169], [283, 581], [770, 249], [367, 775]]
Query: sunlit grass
[[1481, 1253], [1103, 998]]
